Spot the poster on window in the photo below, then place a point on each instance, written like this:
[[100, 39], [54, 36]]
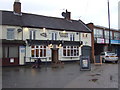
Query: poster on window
[[22, 49]]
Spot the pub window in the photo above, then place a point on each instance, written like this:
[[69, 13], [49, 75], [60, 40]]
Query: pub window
[[70, 51], [54, 36], [72, 37], [38, 51], [10, 33], [32, 34]]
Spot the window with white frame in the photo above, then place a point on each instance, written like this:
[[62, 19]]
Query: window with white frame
[[10, 33], [72, 37], [116, 36], [70, 51], [54, 36], [38, 51], [32, 34], [107, 34], [98, 33]]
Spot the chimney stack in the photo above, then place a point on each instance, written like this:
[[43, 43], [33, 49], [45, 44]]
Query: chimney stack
[[66, 15], [17, 7]]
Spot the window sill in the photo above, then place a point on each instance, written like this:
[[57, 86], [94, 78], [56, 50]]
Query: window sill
[[70, 56]]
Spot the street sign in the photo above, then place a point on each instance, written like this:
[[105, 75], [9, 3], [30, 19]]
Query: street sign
[[98, 59], [85, 63]]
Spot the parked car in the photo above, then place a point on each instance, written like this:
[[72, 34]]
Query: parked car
[[109, 56]]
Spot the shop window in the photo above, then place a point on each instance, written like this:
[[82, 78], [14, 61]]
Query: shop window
[[38, 51], [70, 51], [10, 51]]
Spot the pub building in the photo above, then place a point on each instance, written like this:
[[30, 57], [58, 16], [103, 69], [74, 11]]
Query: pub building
[[27, 37]]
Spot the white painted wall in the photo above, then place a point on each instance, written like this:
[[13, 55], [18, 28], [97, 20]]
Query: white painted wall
[[86, 40], [26, 34], [18, 36]]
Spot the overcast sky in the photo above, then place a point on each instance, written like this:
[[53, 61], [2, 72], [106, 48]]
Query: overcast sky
[[94, 11]]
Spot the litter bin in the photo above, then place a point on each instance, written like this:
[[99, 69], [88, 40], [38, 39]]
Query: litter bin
[[85, 63]]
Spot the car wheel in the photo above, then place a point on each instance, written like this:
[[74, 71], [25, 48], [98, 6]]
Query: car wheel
[[116, 61], [103, 60]]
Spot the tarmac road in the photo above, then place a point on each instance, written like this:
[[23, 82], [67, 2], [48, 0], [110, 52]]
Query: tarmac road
[[104, 76]]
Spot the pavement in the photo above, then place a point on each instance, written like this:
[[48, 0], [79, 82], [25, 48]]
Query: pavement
[[69, 76]]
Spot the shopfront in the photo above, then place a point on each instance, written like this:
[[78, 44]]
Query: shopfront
[[53, 50]]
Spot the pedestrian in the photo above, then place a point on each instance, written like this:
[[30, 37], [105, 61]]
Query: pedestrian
[[39, 63], [35, 65]]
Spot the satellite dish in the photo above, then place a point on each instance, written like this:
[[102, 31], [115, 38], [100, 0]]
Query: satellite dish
[[63, 14]]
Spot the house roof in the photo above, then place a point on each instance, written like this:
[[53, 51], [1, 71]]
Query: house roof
[[39, 21]]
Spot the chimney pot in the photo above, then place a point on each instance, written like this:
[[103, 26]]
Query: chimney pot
[[17, 0]]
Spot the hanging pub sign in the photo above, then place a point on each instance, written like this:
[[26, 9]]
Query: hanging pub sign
[[43, 34], [63, 34], [85, 63]]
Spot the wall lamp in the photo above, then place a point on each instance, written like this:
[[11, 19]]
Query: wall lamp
[[44, 30], [26, 29], [64, 32]]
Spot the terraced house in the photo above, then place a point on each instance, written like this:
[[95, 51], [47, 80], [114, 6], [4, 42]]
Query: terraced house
[[26, 37]]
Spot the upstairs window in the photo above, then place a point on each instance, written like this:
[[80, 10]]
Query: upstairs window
[[10, 34], [98, 33], [116, 36], [107, 34], [72, 37], [54, 36], [32, 35]]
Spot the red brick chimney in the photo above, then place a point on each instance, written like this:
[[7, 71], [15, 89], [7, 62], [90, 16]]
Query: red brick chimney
[[66, 15], [17, 7]]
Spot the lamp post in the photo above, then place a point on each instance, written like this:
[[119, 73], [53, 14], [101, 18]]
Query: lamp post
[[109, 46]]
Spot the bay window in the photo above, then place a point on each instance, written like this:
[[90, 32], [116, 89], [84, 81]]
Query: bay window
[[38, 51], [70, 51]]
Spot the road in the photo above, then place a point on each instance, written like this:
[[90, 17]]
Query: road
[[100, 76]]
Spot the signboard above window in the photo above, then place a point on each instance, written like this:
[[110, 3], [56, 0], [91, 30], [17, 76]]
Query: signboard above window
[[100, 40], [43, 34], [63, 34]]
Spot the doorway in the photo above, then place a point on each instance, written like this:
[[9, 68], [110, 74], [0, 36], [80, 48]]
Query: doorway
[[55, 57]]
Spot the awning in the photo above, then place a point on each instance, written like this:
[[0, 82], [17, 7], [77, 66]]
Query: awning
[[54, 42], [13, 42]]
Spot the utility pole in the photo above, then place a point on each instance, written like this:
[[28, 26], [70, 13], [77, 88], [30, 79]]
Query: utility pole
[[109, 46]]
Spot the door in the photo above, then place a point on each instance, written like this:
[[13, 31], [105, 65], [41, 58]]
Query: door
[[54, 55], [22, 55]]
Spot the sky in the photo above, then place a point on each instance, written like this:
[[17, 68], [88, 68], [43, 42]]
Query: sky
[[95, 11]]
